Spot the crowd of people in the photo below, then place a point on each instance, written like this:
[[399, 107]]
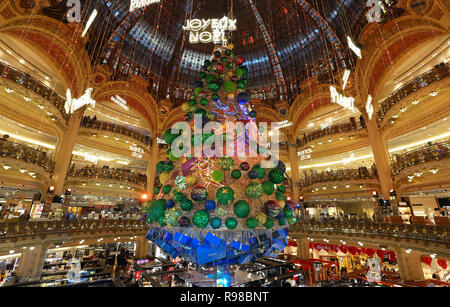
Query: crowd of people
[[105, 172], [339, 175]]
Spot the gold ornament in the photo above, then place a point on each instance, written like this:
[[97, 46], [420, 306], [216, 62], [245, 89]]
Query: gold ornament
[[231, 46], [185, 107], [262, 218], [164, 177], [282, 203], [190, 180]]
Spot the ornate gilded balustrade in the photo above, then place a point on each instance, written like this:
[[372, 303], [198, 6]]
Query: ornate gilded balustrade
[[27, 81], [108, 174], [114, 128], [22, 230], [418, 156], [335, 129], [431, 233], [339, 175], [27, 154], [438, 73]]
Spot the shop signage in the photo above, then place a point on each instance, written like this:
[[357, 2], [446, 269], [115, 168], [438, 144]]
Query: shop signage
[[305, 154], [345, 102], [137, 4], [210, 30], [73, 104], [120, 101], [160, 141], [136, 152]]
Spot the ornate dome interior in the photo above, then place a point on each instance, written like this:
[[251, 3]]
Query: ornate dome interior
[[282, 43]]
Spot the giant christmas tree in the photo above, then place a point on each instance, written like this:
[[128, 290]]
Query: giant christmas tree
[[227, 193]]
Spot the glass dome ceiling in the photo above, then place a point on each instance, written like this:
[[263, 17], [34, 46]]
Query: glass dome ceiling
[[283, 42]]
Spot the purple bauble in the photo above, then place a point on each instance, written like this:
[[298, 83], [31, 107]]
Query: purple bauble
[[184, 221], [245, 166], [272, 208]]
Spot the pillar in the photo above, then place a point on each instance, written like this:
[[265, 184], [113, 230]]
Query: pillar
[[31, 263], [141, 247], [382, 160], [303, 249], [151, 170], [64, 150], [410, 265], [292, 146]]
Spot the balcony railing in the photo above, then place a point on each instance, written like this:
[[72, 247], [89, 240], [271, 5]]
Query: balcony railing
[[10, 230], [27, 154], [109, 174], [36, 86], [353, 125], [339, 175], [438, 73], [421, 155], [89, 123], [408, 231]]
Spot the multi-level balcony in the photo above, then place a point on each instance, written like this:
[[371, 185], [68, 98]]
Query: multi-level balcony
[[338, 176], [10, 151], [116, 130], [26, 81], [108, 174]]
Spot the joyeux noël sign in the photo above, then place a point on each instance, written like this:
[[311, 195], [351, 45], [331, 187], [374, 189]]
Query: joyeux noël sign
[[210, 30]]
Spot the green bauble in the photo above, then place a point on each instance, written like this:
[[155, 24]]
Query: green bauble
[[172, 157], [225, 195], [169, 137], [221, 211], [210, 78], [201, 111], [288, 213], [276, 176], [186, 204], [204, 102], [197, 91], [226, 163], [157, 189], [213, 86], [281, 188], [282, 221], [201, 219], [244, 70], [223, 59], [192, 102], [167, 189], [162, 221], [254, 190], [216, 223], [268, 187], [169, 166], [229, 86], [236, 174], [280, 196], [241, 209], [241, 84], [160, 167], [261, 172], [231, 223], [157, 210], [269, 223], [239, 72], [230, 65], [252, 223], [217, 176], [178, 197], [202, 75]]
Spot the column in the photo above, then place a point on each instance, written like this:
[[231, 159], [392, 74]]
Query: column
[[64, 150], [382, 159], [141, 247], [151, 169], [410, 265], [303, 248], [31, 263], [292, 148]]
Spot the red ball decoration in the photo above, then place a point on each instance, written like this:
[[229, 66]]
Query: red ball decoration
[[239, 60], [219, 68]]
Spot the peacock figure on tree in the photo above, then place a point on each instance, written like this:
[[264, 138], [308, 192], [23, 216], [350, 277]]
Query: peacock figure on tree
[[219, 193]]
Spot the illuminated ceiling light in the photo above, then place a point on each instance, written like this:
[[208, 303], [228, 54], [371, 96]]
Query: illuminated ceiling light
[[369, 107], [329, 141], [9, 90], [395, 116], [73, 104], [11, 251], [345, 102], [347, 186], [105, 136], [324, 188], [81, 242], [22, 170], [110, 185], [7, 167], [433, 93], [47, 78], [121, 186], [415, 102], [434, 171], [403, 110], [341, 138], [335, 187], [345, 78], [408, 251], [433, 256], [89, 22], [27, 99], [320, 143], [21, 61], [41, 106], [31, 173], [116, 139], [84, 184], [311, 125], [97, 184], [31, 248]]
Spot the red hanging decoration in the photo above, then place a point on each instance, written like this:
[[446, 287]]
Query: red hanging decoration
[[427, 260], [392, 256], [381, 253], [442, 263], [370, 252], [343, 249], [353, 250]]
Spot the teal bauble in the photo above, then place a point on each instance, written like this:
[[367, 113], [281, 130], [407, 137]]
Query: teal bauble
[[231, 223], [201, 219], [236, 174], [269, 223], [280, 196], [281, 188], [261, 172], [162, 221], [254, 190], [216, 223], [268, 187], [276, 176], [157, 210], [241, 209], [252, 223], [179, 196]]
